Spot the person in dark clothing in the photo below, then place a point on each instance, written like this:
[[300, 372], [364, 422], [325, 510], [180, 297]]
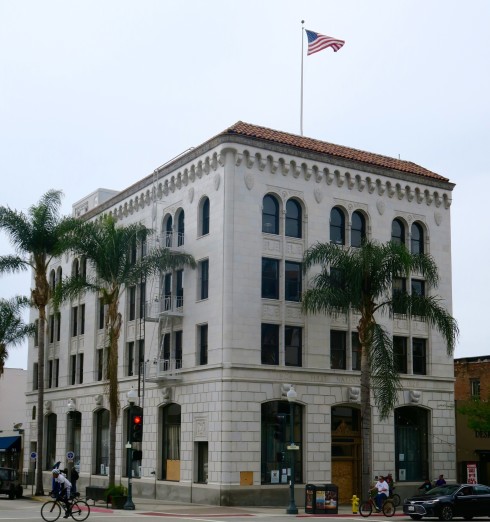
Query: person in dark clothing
[[425, 486], [73, 478]]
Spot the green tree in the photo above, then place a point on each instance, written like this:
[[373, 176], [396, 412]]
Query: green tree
[[110, 250], [478, 412], [13, 330], [361, 279], [37, 237]]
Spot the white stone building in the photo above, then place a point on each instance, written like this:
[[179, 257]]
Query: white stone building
[[222, 344]]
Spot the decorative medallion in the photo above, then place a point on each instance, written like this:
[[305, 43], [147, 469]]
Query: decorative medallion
[[191, 194], [249, 180], [438, 218], [217, 180], [380, 205], [318, 195]]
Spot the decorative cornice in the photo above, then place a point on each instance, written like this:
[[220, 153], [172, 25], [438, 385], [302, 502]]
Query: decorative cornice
[[317, 172]]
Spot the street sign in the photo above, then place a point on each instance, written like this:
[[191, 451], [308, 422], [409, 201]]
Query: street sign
[[33, 455], [293, 447], [70, 455]]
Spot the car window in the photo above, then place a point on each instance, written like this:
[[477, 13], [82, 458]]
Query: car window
[[481, 490], [448, 489], [4, 474], [467, 490]]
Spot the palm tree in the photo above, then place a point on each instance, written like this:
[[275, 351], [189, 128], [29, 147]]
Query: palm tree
[[38, 237], [361, 279], [13, 330], [110, 251]]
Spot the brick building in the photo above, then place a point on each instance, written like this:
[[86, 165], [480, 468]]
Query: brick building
[[473, 446]]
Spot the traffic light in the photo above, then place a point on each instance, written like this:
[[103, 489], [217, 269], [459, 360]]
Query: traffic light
[[137, 427], [279, 428]]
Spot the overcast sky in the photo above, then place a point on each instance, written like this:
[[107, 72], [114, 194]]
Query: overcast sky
[[99, 93]]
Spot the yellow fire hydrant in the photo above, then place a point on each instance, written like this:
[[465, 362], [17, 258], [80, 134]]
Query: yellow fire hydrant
[[355, 504]]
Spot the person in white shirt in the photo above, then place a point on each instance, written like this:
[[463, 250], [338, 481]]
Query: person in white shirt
[[65, 490], [383, 490]]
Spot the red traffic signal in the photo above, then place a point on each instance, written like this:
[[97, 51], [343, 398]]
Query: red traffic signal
[[137, 427]]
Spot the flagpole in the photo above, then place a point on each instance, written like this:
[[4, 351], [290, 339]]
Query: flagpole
[[302, 54]]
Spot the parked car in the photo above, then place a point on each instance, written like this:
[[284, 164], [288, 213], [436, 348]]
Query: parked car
[[450, 500], [9, 483]]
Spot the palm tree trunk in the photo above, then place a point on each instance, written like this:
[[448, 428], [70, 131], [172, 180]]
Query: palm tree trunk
[[366, 424], [40, 402]]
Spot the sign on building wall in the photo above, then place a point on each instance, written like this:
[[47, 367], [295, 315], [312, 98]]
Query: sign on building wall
[[471, 473]]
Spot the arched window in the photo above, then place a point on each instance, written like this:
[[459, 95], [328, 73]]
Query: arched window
[[398, 232], [101, 462], [411, 441], [52, 280], [417, 239], [168, 231], [204, 217], [75, 268], [74, 431], [180, 228], [270, 215], [358, 229], [276, 433], [337, 226], [170, 437], [59, 275], [293, 218]]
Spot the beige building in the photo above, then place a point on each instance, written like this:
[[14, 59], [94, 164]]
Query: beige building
[[220, 346]]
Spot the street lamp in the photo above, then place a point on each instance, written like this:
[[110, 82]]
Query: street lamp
[[132, 395], [292, 396]]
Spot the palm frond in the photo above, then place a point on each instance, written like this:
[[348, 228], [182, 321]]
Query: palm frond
[[385, 379], [12, 264]]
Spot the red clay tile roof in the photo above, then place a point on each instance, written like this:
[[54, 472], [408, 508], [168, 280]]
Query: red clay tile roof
[[302, 142]]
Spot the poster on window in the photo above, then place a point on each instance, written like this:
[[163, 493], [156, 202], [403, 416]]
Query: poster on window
[[320, 500], [471, 473]]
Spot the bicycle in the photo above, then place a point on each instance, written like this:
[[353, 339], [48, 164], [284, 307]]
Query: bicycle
[[395, 498], [77, 508], [367, 506]]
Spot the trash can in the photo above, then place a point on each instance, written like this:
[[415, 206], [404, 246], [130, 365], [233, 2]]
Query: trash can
[[322, 499]]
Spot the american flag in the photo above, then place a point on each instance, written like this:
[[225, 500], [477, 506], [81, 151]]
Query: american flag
[[318, 42]]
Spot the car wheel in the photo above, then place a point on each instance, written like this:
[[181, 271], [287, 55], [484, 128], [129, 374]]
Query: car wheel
[[446, 513], [416, 517]]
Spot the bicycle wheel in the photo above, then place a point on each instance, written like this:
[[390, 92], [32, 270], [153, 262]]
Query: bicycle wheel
[[396, 499], [51, 511], [388, 508], [365, 508], [80, 510]]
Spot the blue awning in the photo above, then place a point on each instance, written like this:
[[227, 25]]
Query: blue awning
[[8, 443]]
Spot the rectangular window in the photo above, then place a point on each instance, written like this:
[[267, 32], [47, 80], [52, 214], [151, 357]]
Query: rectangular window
[[133, 252], [74, 321], [73, 369], [356, 351], [270, 278], [35, 376], [166, 347], [58, 327], [80, 368], [100, 364], [56, 373], [419, 356], [292, 281], [82, 319], [270, 344], [50, 373], [337, 350], [203, 344], [142, 300], [400, 353], [204, 279], [418, 287], [292, 345], [132, 303], [178, 349], [399, 289], [475, 388], [51, 328], [130, 359], [101, 314], [179, 290], [167, 292]]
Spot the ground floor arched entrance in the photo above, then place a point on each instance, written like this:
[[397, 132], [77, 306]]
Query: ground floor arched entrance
[[346, 452]]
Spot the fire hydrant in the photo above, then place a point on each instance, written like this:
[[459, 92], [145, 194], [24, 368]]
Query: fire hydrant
[[355, 504]]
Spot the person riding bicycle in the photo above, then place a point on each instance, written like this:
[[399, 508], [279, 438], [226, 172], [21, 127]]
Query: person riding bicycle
[[391, 484], [383, 490], [65, 492]]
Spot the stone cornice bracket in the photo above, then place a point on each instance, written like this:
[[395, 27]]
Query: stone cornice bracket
[[306, 171], [437, 199], [361, 183], [283, 166], [284, 389], [415, 396], [340, 178], [390, 190], [317, 174], [428, 197], [166, 392], [295, 170], [329, 176], [47, 406], [272, 164], [238, 159], [354, 394], [409, 193], [222, 158], [447, 201], [381, 187], [261, 161], [349, 180], [214, 161], [419, 195]]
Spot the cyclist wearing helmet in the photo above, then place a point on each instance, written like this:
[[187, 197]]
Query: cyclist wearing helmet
[[65, 489]]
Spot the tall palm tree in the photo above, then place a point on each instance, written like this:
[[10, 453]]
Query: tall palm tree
[[13, 330], [109, 248], [37, 237], [361, 279]]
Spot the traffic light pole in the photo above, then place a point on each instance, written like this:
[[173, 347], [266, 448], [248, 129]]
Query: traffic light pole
[[129, 457]]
